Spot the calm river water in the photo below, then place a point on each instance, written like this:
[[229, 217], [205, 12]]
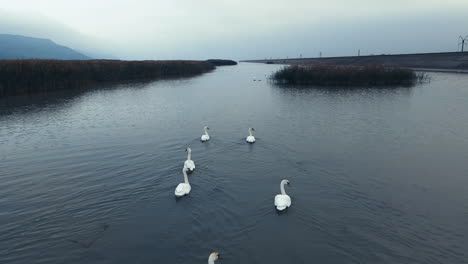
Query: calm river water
[[377, 175]]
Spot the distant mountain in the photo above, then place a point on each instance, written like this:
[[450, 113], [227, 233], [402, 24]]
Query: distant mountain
[[21, 47]]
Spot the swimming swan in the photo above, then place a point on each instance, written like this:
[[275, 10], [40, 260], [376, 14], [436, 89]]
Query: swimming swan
[[213, 257], [183, 188], [205, 137], [250, 138], [189, 164], [282, 201]]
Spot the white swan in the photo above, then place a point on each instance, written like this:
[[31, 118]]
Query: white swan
[[282, 201], [183, 188], [189, 164], [250, 138], [206, 136], [213, 257]]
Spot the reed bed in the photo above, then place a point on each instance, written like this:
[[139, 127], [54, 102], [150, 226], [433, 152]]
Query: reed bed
[[218, 62], [338, 75], [30, 76]]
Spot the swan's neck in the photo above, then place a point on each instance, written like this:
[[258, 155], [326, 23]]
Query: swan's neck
[[210, 261], [206, 131], [282, 189], [185, 177], [250, 132], [189, 155]]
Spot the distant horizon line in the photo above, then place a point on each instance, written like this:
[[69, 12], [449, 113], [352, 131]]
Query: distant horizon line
[[350, 56]]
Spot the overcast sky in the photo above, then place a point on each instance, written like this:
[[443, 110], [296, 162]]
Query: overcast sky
[[240, 29]]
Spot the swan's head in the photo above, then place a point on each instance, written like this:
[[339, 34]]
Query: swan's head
[[214, 256], [207, 128], [188, 150], [251, 129], [285, 182]]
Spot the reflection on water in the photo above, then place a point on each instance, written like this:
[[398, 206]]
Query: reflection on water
[[378, 175]]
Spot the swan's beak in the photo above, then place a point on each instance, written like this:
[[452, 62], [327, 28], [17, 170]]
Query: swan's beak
[[219, 256]]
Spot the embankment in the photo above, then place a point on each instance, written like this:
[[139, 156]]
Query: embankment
[[446, 61], [30, 76]]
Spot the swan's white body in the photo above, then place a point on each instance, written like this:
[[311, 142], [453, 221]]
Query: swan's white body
[[282, 201], [213, 257], [183, 188], [250, 138], [206, 136], [189, 164]]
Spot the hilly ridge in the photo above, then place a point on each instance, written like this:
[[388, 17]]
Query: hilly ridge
[[22, 47]]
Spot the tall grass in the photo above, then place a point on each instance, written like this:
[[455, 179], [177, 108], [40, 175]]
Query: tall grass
[[219, 62], [337, 75], [29, 76]]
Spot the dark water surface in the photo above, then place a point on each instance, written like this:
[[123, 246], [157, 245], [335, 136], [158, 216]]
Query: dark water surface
[[378, 176]]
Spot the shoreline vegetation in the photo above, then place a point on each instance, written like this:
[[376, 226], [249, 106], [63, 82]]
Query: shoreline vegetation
[[219, 62], [339, 75], [19, 77]]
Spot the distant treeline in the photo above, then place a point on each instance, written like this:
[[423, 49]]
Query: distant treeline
[[30, 76], [337, 75], [219, 62]]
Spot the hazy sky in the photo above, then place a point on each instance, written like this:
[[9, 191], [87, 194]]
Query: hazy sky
[[242, 29]]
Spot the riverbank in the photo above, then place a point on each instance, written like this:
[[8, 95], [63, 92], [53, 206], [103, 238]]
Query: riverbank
[[440, 62], [30, 76]]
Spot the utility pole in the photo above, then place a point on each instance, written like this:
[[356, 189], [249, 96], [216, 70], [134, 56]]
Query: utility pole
[[359, 52], [320, 55], [462, 41]]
